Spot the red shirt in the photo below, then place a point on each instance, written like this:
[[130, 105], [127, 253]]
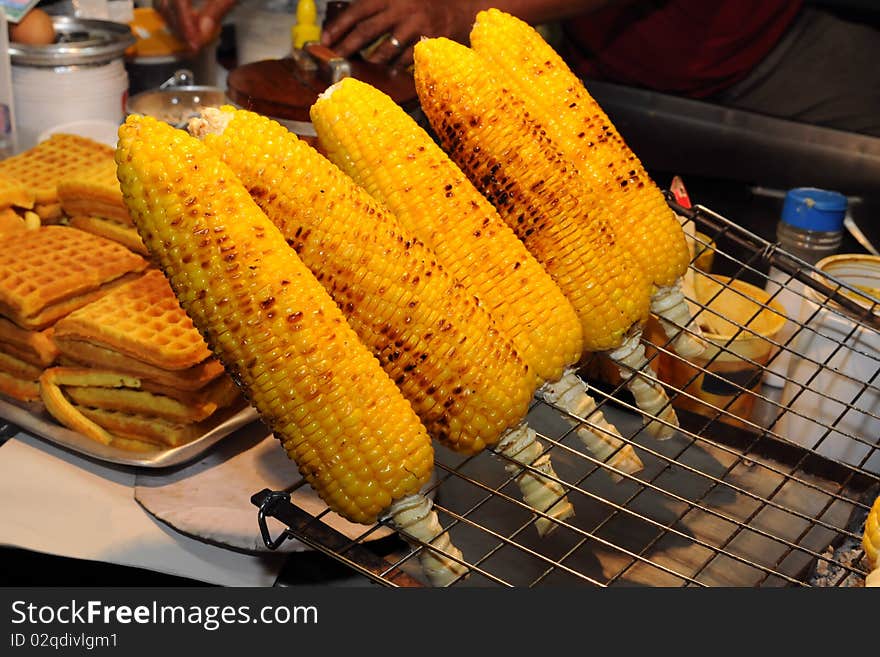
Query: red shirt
[[687, 47]]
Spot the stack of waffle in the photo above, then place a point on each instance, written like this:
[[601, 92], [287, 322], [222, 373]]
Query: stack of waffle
[[92, 200], [135, 372], [41, 168], [45, 274]]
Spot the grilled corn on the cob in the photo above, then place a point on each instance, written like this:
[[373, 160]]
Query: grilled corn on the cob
[[485, 128], [370, 137], [456, 366], [338, 415], [643, 222], [871, 544]]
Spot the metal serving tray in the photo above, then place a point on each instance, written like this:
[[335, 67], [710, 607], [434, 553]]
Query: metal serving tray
[[41, 424]]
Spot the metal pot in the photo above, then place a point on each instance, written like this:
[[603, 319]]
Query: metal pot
[[78, 42], [176, 100]]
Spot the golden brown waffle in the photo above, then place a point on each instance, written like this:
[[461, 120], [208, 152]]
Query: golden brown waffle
[[140, 402], [50, 272], [143, 320], [112, 230], [16, 367], [21, 389], [94, 192], [221, 391], [14, 193], [151, 430], [42, 167], [37, 346], [77, 352], [151, 400], [116, 409]]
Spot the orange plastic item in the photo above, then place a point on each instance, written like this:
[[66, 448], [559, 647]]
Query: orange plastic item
[[154, 38]]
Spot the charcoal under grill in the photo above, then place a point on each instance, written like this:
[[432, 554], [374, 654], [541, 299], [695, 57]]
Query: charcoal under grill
[[728, 501]]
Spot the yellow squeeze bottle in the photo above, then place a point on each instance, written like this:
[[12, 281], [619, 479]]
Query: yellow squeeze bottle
[[306, 28]]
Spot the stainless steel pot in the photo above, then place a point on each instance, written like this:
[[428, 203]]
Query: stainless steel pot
[[176, 100], [78, 42]]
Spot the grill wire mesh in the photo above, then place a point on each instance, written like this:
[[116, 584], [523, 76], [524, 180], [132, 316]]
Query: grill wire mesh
[[731, 500]]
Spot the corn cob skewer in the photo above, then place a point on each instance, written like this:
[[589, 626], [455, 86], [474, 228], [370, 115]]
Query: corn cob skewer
[[871, 545], [455, 365], [583, 132], [485, 129], [353, 436], [372, 139]]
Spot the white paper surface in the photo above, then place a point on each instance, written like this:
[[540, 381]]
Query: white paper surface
[[59, 503], [210, 498]]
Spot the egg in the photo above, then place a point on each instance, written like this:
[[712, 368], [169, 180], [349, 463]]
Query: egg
[[35, 28]]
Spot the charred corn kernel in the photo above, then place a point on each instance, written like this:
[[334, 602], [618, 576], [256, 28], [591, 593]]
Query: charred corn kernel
[[871, 544], [644, 223], [458, 369], [506, 153], [511, 161], [370, 137], [354, 437]]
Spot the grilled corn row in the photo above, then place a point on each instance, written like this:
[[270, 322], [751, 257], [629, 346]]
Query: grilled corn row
[[367, 135], [485, 129], [353, 436], [871, 544], [370, 137], [643, 222], [458, 369]]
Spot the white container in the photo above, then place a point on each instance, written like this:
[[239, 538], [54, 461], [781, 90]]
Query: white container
[[834, 393], [45, 98], [80, 77], [262, 29]]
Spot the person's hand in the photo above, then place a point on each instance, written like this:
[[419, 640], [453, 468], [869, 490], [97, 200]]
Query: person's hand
[[196, 27], [403, 22]]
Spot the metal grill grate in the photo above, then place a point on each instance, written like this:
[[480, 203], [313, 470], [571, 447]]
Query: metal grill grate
[[732, 499]]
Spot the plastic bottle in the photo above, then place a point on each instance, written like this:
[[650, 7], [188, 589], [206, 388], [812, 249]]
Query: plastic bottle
[[810, 228], [306, 28]]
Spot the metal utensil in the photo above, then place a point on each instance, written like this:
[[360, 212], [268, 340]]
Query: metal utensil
[[854, 230]]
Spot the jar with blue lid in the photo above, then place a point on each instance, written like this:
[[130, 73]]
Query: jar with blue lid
[[811, 225]]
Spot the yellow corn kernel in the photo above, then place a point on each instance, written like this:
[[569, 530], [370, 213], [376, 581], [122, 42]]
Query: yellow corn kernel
[[366, 134], [871, 544], [511, 161], [452, 362], [642, 220], [353, 436]]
